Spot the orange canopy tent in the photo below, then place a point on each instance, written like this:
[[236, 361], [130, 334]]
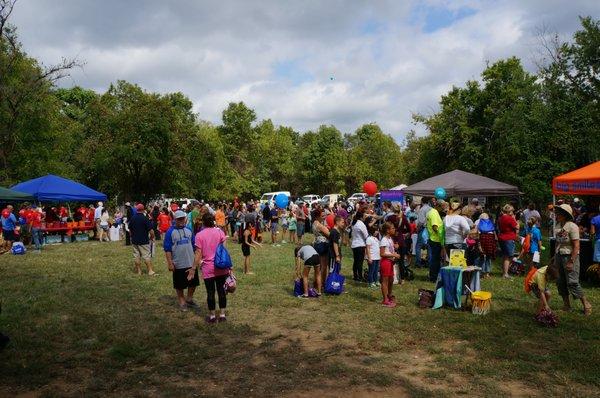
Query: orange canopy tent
[[583, 181]]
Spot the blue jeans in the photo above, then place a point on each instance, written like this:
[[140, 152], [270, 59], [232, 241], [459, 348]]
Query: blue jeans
[[435, 259], [373, 271], [485, 263], [420, 243], [36, 236]]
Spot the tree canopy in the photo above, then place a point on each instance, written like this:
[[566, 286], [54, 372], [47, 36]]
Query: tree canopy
[[512, 125]]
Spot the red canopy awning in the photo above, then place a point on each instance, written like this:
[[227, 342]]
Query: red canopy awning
[[583, 181]]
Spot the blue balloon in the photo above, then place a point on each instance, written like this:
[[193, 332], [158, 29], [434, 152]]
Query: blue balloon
[[440, 193], [281, 200]]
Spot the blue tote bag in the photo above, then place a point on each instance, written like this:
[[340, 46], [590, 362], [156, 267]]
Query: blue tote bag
[[335, 282]]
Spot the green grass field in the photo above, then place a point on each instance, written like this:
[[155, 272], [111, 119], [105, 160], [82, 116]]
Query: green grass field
[[82, 323]]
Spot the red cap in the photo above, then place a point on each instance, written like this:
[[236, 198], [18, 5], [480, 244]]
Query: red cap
[[139, 207]]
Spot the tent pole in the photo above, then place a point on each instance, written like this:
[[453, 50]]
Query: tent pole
[[554, 217]]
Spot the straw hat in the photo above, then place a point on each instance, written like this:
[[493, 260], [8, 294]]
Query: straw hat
[[566, 210]]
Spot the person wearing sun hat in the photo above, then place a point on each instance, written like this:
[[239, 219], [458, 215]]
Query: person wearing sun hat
[[566, 258], [456, 227]]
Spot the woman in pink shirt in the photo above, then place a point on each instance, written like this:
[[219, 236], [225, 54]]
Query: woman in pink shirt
[[508, 228], [206, 243]]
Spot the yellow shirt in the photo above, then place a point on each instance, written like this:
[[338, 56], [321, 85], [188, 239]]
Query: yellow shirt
[[433, 218], [539, 278]]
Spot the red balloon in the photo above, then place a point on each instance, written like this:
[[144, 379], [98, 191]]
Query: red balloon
[[370, 188], [329, 220]]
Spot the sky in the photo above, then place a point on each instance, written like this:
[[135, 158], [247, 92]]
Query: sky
[[299, 63]]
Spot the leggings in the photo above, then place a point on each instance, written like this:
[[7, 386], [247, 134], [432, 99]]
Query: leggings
[[357, 266], [217, 282]]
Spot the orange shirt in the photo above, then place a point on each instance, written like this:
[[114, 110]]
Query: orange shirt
[[220, 218]]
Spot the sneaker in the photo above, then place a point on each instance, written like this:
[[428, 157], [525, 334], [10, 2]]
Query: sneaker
[[182, 307], [506, 276], [391, 304], [377, 284], [222, 319], [303, 296], [211, 319], [191, 303], [385, 303], [372, 285]]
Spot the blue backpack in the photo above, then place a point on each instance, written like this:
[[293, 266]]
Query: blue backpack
[[335, 281], [222, 258], [486, 226]]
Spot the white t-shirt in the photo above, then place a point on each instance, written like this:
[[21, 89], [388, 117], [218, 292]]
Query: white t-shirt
[[306, 252], [373, 245], [359, 235], [457, 229], [388, 244]]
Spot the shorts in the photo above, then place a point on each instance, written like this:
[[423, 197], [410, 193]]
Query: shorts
[[322, 248], [180, 280], [386, 268], [597, 251], [9, 235], [141, 252], [274, 226], [313, 261], [246, 250], [104, 227], [507, 247], [300, 229]]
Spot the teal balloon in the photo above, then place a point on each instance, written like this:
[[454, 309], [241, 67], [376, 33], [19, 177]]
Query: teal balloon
[[281, 200], [440, 193]]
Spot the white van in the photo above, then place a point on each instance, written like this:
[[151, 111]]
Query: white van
[[331, 199], [311, 199], [269, 197], [356, 197]]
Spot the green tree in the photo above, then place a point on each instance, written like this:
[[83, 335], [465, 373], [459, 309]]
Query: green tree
[[372, 155], [31, 143], [323, 161]]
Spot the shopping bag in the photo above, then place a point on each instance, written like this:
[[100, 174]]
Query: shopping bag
[[335, 282], [298, 287]]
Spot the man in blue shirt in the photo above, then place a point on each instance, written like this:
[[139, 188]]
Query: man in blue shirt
[[9, 223], [179, 251], [142, 239]]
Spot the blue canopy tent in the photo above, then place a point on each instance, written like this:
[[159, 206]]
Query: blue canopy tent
[[51, 188]]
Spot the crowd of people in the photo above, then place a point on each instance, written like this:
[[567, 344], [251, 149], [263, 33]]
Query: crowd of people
[[390, 237]]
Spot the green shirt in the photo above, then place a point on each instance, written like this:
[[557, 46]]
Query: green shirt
[[433, 218]]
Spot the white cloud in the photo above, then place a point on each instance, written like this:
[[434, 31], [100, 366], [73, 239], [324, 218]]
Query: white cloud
[[384, 66]]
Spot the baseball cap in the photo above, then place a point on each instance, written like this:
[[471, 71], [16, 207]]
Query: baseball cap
[[180, 214], [139, 206]]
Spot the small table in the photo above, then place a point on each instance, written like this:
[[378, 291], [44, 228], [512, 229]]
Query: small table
[[451, 282]]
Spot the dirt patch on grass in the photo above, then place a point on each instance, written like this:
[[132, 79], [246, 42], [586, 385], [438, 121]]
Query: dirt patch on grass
[[392, 392]]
